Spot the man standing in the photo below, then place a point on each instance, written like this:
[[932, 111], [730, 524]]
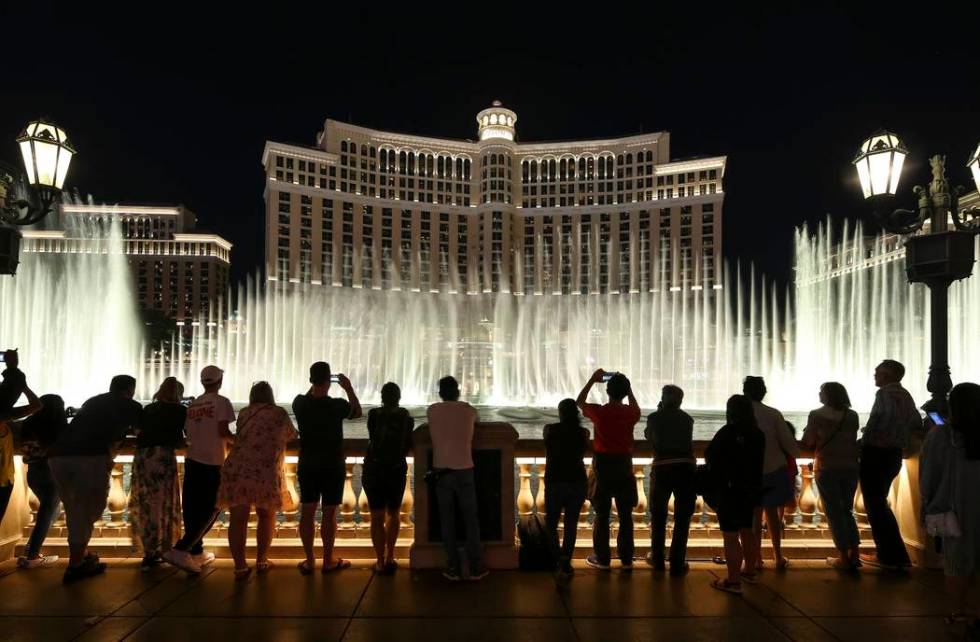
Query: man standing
[[452, 424], [893, 418], [81, 462], [612, 465], [321, 471], [208, 436]]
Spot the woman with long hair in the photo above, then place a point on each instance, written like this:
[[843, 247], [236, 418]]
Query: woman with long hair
[[154, 497], [565, 480], [950, 477], [831, 430], [252, 475], [40, 431]]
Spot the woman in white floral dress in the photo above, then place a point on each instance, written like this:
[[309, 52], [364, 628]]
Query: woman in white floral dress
[[252, 475]]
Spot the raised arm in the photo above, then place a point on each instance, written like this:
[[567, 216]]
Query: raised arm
[[355, 404], [33, 405], [584, 395]]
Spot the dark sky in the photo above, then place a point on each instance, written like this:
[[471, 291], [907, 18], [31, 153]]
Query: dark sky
[[175, 107]]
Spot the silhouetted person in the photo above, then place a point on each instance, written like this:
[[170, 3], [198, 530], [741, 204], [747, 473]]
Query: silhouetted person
[[452, 424], [735, 457], [893, 418], [385, 472], [612, 464], [322, 469], [565, 445], [777, 489], [831, 431], [81, 461], [11, 390], [41, 430], [670, 431]]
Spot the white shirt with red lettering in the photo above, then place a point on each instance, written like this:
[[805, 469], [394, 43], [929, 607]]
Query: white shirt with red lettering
[[205, 444]]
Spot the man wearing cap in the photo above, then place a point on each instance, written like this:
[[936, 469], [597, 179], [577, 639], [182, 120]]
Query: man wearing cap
[[208, 435]]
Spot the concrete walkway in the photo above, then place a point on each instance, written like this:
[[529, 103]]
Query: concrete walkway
[[808, 602]]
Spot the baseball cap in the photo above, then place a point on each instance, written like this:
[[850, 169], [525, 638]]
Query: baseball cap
[[211, 374]]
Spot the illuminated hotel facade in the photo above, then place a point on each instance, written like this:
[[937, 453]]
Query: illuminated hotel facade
[[177, 270], [372, 209]]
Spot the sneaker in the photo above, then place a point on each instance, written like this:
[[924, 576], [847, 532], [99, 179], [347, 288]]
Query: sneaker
[[203, 558], [452, 575], [871, 559], [478, 574], [88, 568], [39, 562], [182, 560], [656, 562], [594, 562]]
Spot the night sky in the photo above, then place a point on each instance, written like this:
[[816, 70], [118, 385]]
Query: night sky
[[176, 107]]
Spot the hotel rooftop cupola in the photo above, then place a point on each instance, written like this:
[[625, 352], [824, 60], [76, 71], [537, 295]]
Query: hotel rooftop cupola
[[496, 122]]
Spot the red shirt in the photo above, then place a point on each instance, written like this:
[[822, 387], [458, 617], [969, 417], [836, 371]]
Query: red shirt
[[614, 424]]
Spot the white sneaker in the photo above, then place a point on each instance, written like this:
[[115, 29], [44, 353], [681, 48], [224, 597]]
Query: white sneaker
[[203, 559], [40, 562], [182, 560]]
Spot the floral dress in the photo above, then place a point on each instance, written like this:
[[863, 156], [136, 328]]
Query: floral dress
[[253, 472]]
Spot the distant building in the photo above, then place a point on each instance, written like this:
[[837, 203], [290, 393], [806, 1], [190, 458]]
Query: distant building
[[179, 271], [372, 209]]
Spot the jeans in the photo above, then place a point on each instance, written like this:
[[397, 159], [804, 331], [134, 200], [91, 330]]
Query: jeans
[[568, 497], [837, 489], [666, 480], [456, 488], [83, 483], [199, 496], [41, 483], [879, 467], [615, 481]]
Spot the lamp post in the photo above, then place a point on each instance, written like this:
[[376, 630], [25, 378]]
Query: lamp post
[[934, 254], [27, 197]]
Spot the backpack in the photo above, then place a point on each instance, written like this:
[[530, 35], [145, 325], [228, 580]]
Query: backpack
[[536, 548]]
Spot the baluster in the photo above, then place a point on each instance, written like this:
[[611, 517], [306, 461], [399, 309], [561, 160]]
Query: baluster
[[860, 512], [696, 519], [118, 499], [363, 507], [290, 508], [408, 501], [525, 501], [792, 508], [539, 502], [640, 510], [349, 500], [808, 499]]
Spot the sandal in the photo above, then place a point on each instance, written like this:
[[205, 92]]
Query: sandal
[[836, 564], [264, 567], [241, 574], [391, 566], [379, 567], [339, 565], [735, 588], [782, 564], [305, 568]]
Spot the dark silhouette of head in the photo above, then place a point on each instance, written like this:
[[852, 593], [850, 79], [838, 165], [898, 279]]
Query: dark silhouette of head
[[123, 385], [835, 395], [170, 391], [739, 411], [391, 394], [52, 413], [889, 371], [568, 413], [261, 392], [449, 388], [964, 410], [320, 373], [11, 359], [671, 397], [754, 388], [618, 387]]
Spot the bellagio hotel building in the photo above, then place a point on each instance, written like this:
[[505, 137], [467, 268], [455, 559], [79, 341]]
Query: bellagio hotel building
[[373, 209]]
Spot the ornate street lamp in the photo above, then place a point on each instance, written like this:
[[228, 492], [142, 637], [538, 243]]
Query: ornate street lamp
[[27, 197], [934, 254]]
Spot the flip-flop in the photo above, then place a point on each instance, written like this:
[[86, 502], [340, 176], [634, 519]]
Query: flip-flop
[[264, 567], [305, 568], [241, 574], [340, 565], [782, 564], [735, 588]]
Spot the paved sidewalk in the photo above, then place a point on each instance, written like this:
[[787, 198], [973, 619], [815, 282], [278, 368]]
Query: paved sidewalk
[[805, 603]]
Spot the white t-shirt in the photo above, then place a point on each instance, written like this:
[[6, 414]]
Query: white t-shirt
[[451, 426], [205, 444], [779, 440]]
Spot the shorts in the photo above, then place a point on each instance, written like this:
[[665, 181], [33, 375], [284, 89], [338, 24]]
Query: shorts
[[318, 484], [735, 512], [776, 488], [384, 486]]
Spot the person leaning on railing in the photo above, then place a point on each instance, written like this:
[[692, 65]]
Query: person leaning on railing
[[565, 482]]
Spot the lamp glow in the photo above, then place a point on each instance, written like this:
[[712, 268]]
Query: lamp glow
[[974, 165], [879, 164], [46, 153]]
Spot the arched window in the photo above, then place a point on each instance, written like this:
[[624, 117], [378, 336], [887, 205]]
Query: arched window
[[629, 159], [402, 162], [411, 163], [619, 161], [649, 156], [525, 171], [551, 170], [343, 145], [384, 159], [533, 170], [581, 167], [430, 164], [373, 151], [466, 169], [493, 119], [364, 150]]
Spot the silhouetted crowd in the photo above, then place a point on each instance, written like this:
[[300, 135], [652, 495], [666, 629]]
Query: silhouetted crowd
[[748, 474]]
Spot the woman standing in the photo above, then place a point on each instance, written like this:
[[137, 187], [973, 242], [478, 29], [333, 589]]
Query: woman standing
[[40, 431], [949, 482], [565, 480], [7, 442], [252, 475], [831, 430], [385, 470], [154, 498]]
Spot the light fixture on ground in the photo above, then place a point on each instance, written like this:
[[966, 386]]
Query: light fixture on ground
[[934, 254], [28, 196]]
